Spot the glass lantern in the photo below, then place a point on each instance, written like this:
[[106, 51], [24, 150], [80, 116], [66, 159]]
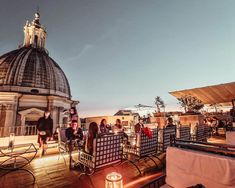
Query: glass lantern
[[114, 180]]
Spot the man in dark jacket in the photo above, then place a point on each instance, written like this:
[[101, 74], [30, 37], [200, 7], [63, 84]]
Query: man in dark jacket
[[74, 132], [45, 128]]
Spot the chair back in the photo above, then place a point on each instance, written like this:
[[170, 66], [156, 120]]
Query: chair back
[[167, 134], [61, 135], [184, 133], [201, 133], [108, 150], [148, 145]]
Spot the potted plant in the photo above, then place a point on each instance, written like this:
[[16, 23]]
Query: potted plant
[[159, 105], [190, 104]]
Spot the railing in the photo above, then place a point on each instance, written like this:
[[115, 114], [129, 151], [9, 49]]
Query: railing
[[18, 130], [156, 183]]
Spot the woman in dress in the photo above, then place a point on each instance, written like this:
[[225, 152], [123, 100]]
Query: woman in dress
[[103, 129], [92, 134]]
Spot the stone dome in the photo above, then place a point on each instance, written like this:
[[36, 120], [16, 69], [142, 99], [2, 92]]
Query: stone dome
[[30, 69]]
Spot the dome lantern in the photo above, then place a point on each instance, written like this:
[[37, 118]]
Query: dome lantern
[[34, 33]]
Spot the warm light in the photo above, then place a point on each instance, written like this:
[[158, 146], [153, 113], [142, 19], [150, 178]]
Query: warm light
[[133, 143], [115, 132], [114, 180]]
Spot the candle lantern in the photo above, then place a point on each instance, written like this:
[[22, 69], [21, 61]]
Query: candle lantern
[[114, 180], [11, 140]]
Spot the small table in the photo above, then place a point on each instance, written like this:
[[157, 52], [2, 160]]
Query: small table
[[16, 158]]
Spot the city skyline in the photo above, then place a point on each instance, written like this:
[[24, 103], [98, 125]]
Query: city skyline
[[120, 54]]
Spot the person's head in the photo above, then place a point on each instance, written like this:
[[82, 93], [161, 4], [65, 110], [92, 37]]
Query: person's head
[[73, 111], [141, 121], [93, 129], [74, 124], [103, 122], [118, 122], [169, 121], [47, 114]]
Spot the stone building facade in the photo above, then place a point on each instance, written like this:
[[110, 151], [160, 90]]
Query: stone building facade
[[31, 82]]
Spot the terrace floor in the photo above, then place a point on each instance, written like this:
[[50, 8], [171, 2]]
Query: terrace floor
[[52, 172]]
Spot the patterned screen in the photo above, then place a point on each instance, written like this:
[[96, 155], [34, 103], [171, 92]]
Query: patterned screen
[[166, 141], [148, 145], [108, 150], [184, 133], [201, 133]]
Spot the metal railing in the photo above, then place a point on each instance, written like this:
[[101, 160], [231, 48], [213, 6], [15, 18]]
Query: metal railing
[[18, 130]]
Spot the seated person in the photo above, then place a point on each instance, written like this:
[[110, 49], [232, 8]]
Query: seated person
[[91, 137], [103, 128], [170, 123], [118, 126], [74, 132], [139, 126]]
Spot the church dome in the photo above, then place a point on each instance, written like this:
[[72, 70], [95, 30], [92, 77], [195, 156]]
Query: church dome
[[30, 69]]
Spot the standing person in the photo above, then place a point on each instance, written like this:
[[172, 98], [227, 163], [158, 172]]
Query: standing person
[[92, 134], [118, 126], [103, 128], [139, 125], [170, 123], [45, 128]]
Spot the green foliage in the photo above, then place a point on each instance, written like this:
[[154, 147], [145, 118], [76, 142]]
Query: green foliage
[[190, 103], [159, 103]]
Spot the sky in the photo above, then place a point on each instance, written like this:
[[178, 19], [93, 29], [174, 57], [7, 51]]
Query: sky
[[120, 53]]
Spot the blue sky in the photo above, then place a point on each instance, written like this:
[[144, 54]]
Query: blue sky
[[119, 53]]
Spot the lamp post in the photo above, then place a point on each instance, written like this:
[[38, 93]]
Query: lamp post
[[114, 180]]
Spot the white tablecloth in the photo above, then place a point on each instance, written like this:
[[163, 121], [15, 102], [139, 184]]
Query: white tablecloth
[[230, 137], [185, 168]]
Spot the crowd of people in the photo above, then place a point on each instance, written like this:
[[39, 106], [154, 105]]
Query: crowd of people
[[74, 131]]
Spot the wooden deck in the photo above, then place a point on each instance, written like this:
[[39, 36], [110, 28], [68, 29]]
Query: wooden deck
[[53, 172]]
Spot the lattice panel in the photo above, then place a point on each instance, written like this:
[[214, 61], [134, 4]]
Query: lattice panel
[[184, 133], [148, 145], [108, 150]]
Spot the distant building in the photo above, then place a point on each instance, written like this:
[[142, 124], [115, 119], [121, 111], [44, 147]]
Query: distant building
[[31, 81], [127, 120]]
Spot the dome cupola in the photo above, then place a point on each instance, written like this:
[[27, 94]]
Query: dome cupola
[[30, 69]]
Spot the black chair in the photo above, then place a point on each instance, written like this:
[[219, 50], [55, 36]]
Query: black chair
[[108, 150], [165, 136], [146, 149], [201, 133], [184, 133], [66, 146]]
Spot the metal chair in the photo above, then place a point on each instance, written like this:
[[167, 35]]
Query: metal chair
[[166, 134], [201, 133], [108, 151], [145, 149], [66, 146], [184, 133]]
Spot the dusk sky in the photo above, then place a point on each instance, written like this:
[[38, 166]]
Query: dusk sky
[[119, 53]]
